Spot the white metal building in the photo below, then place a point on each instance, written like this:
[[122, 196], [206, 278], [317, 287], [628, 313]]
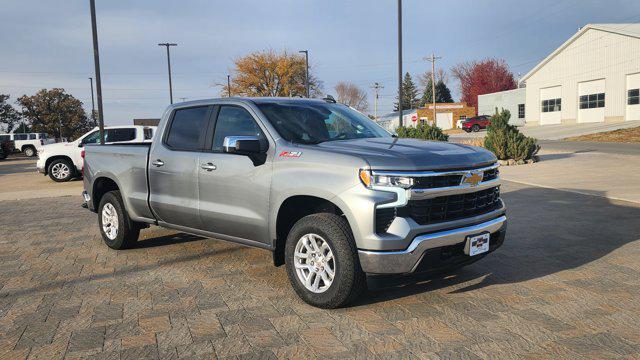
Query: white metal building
[[593, 77], [391, 121], [512, 100]]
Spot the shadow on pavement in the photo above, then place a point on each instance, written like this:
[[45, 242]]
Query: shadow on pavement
[[178, 238], [549, 231]]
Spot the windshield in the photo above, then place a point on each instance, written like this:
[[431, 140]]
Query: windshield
[[315, 122]]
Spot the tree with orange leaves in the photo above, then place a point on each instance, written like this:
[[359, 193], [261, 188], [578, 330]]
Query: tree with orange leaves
[[268, 73]]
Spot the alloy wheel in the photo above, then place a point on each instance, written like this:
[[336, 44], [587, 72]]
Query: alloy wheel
[[60, 171], [314, 263], [110, 221]]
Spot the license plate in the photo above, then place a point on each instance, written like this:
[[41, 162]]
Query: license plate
[[477, 244]]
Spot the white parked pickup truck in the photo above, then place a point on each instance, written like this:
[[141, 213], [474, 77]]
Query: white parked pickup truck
[[63, 161], [28, 143]]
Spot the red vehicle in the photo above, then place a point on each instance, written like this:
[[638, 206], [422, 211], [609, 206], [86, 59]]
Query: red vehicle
[[476, 123]]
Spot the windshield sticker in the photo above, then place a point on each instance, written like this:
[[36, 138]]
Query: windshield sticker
[[291, 154]]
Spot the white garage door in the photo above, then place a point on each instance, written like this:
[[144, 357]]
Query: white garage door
[[633, 97], [444, 120], [550, 105], [591, 101]]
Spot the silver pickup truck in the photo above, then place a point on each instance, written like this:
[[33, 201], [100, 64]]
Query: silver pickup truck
[[330, 193]]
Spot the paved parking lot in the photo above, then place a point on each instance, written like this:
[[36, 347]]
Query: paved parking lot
[[566, 284]]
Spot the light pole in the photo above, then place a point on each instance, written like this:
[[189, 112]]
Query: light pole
[[93, 105], [96, 60], [306, 77], [167, 45], [400, 60]]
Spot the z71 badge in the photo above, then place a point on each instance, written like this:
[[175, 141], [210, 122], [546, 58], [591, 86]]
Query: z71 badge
[[291, 154]]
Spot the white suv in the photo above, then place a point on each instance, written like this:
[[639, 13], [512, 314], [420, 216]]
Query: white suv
[[28, 143], [63, 161]]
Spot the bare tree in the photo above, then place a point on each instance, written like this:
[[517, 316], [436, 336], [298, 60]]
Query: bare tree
[[441, 75], [351, 95]]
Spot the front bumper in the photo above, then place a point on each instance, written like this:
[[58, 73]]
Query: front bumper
[[419, 257], [40, 166]]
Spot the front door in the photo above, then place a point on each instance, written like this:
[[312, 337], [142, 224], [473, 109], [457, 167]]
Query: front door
[[173, 167], [234, 189]]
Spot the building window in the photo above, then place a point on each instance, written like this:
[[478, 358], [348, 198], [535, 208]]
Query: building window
[[463, 117], [520, 111], [551, 105], [633, 97], [592, 101]]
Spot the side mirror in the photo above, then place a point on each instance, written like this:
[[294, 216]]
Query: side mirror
[[244, 145]]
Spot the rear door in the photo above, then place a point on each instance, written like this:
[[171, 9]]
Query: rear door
[[173, 167], [234, 197]]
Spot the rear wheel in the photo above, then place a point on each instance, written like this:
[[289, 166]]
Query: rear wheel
[[322, 261], [116, 228], [475, 128], [29, 151], [60, 170]]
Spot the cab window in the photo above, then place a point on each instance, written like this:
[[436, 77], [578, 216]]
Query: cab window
[[234, 121]]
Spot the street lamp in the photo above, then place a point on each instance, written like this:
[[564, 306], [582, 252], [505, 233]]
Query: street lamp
[[306, 77], [167, 45]]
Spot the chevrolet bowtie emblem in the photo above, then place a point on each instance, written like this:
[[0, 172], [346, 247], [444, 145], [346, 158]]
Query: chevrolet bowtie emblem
[[472, 178]]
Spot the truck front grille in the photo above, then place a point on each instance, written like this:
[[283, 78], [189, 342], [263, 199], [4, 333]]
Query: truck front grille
[[384, 218], [452, 207], [432, 182]]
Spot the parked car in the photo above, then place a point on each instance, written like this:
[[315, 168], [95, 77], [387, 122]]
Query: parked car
[[7, 146], [330, 193], [63, 161], [476, 123], [28, 143]]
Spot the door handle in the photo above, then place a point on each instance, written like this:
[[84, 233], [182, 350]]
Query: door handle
[[157, 163], [208, 166]]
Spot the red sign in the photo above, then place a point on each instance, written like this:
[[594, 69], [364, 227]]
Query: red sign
[[414, 117]]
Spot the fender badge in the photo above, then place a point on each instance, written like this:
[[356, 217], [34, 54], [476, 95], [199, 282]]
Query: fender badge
[[291, 154]]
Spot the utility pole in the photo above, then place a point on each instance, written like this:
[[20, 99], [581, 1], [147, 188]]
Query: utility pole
[[167, 45], [433, 59], [93, 105], [376, 88], [96, 60], [306, 77], [400, 60], [229, 85]]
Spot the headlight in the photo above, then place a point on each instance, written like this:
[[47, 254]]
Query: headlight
[[369, 180]]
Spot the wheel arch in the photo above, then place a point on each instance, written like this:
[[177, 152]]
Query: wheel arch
[[291, 210], [59, 157], [101, 186]]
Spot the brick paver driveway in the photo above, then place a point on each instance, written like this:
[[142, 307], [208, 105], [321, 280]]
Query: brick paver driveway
[[566, 284]]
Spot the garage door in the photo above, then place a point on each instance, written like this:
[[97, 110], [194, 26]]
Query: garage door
[[633, 97], [550, 105], [444, 120], [591, 101]]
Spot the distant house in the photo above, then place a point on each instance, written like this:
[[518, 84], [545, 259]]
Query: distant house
[[391, 121], [447, 114], [146, 122]]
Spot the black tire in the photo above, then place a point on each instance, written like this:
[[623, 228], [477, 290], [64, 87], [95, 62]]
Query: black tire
[[3, 156], [349, 280], [70, 173], [475, 128], [30, 151], [127, 230]]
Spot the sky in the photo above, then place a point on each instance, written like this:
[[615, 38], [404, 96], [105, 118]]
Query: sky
[[48, 44]]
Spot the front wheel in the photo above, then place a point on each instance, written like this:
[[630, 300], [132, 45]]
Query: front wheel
[[322, 261], [60, 170], [475, 128], [117, 230], [30, 151]]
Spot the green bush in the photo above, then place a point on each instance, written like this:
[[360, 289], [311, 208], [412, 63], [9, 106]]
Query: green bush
[[506, 141], [422, 131]]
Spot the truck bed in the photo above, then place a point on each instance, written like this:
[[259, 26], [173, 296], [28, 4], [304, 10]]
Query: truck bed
[[125, 164]]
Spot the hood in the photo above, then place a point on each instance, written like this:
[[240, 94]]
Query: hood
[[55, 146], [412, 154]]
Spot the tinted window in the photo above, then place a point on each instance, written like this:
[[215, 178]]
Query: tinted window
[[633, 97], [91, 138], [5, 137], [234, 121], [32, 136], [148, 133], [20, 137], [115, 135], [187, 127]]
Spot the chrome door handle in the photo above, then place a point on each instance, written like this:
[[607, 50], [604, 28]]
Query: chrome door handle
[[208, 166], [157, 163]]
